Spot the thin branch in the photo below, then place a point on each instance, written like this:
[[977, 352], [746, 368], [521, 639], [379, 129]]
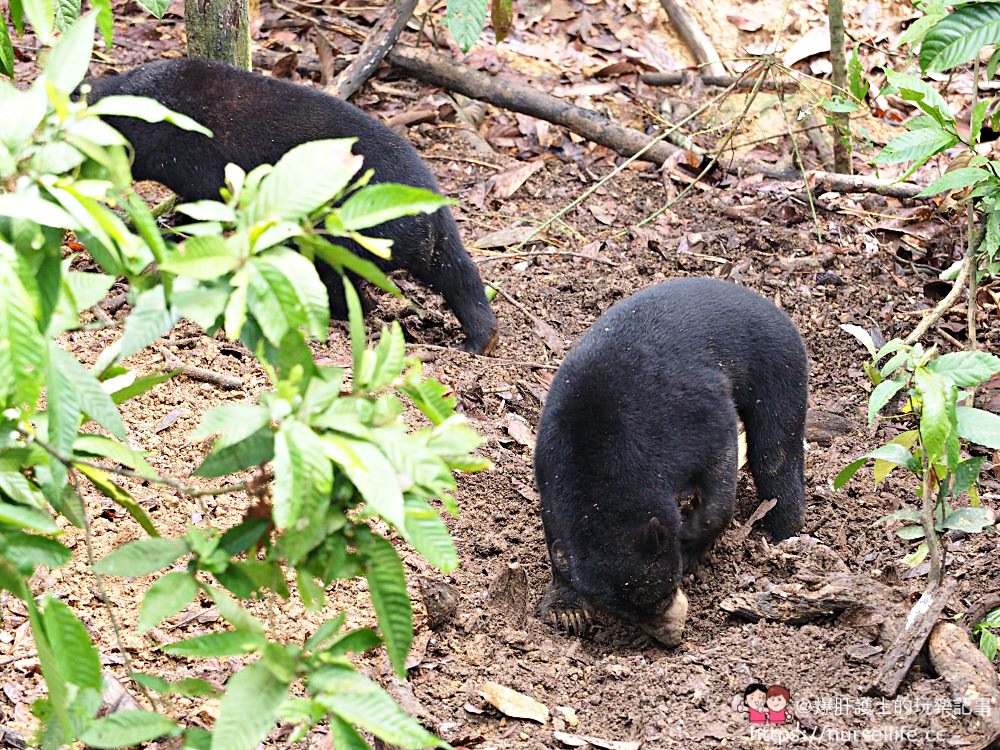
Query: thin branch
[[692, 35], [394, 18], [684, 77], [220, 379]]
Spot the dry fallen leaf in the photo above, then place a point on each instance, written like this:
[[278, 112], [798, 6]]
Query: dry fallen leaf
[[505, 184], [519, 429], [504, 237], [742, 22], [813, 42], [579, 740], [513, 703]]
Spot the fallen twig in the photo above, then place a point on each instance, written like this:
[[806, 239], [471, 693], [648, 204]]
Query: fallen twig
[[684, 77], [830, 182], [438, 70], [220, 379], [910, 640], [504, 256], [381, 39], [692, 35]]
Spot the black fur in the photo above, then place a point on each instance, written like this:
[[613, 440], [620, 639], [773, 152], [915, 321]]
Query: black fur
[[643, 410], [255, 120]]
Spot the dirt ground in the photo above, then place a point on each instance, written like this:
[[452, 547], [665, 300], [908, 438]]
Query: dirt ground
[[853, 264]]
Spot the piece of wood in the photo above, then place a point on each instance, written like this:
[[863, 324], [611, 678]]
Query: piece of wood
[[910, 640], [436, 69], [219, 30], [800, 602], [828, 182], [969, 674], [692, 35], [383, 36], [685, 77], [222, 380], [840, 129]]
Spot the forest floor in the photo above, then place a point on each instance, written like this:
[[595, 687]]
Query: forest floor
[[862, 260]]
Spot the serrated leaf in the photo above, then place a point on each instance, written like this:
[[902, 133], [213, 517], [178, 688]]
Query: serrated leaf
[[87, 289], [249, 708], [156, 7], [91, 399], [882, 395], [924, 95], [302, 471], [359, 701], [69, 59], [127, 728], [213, 645], [466, 20], [67, 11], [856, 81], [377, 204], [22, 348], [978, 426], [142, 557], [202, 258], [935, 425], [78, 660], [966, 369], [387, 585], [168, 596], [915, 146], [6, 52], [254, 450], [435, 400], [955, 180], [428, 534], [370, 471], [310, 295], [284, 194], [959, 36], [345, 737]]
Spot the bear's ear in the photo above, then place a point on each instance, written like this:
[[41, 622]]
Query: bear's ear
[[654, 536]]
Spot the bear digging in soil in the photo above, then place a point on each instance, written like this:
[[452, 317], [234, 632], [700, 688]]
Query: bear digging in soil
[[256, 120], [644, 411]]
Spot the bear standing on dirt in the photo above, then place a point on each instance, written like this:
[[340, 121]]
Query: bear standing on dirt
[[256, 120], [644, 410]]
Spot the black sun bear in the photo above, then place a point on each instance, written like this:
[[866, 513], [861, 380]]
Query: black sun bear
[[643, 411], [255, 120]]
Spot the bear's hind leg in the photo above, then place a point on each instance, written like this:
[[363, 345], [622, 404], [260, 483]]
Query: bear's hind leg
[[776, 456], [714, 507]]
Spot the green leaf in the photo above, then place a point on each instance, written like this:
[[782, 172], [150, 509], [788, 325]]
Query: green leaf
[[233, 613], [149, 110], [241, 538], [141, 385], [377, 204], [967, 474], [958, 37], [991, 67], [427, 533], [976, 120], [23, 517], [856, 81], [6, 52], [128, 728], [325, 632], [25, 551], [466, 20], [87, 289], [345, 737], [142, 557], [78, 660], [911, 532], [966, 369], [303, 475], [882, 469], [203, 258], [916, 557], [103, 482], [359, 701], [370, 471], [42, 15], [882, 395], [148, 320], [67, 11], [310, 293], [102, 447], [891, 452], [235, 421], [928, 98], [935, 424], [254, 450], [915, 146], [903, 514], [156, 7], [55, 682], [435, 400], [249, 709], [105, 20], [285, 194], [206, 210], [69, 59], [387, 585], [214, 645], [194, 688], [955, 180], [22, 348], [340, 257], [988, 644], [36, 209], [969, 520], [978, 426], [169, 595], [91, 398]]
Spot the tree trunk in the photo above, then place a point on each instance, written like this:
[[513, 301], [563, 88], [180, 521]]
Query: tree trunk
[[841, 120], [219, 30]]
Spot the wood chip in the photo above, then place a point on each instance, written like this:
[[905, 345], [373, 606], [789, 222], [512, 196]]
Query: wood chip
[[519, 429], [580, 740], [512, 703]]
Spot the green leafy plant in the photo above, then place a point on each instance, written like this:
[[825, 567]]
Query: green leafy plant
[[328, 455], [934, 448], [985, 630]]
